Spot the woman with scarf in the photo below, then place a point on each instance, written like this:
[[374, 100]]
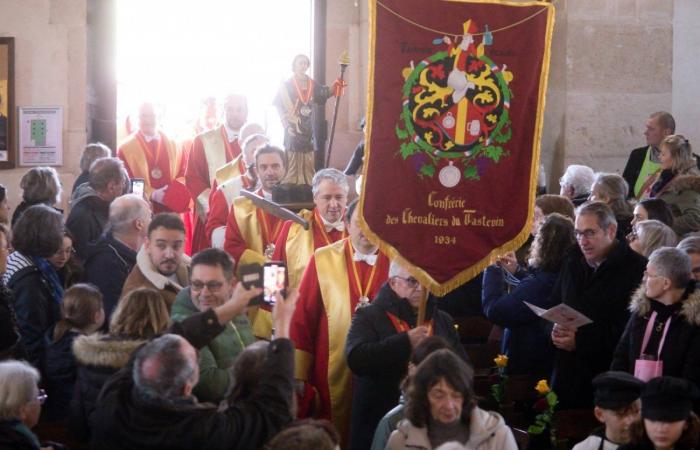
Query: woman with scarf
[[677, 183], [35, 285]]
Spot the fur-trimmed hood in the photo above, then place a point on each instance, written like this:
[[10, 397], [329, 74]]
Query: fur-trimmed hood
[[686, 182], [641, 305], [104, 350], [160, 281]]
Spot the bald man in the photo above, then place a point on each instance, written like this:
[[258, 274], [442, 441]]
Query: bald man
[[210, 151], [150, 155], [111, 258]]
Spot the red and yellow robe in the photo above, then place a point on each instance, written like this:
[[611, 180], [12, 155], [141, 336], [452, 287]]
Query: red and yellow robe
[[141, 158], [249, 230], [227, 186], [295, 246], [210, 151], [328, 296]]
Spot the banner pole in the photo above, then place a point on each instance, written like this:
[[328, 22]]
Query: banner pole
[[421, 307]]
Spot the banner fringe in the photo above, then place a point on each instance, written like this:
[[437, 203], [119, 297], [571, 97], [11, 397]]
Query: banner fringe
[[436, 288]]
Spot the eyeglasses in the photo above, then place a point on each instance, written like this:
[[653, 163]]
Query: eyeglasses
[[42, 396], [67, 252], [588, 234], [213, 286], [410, 281]]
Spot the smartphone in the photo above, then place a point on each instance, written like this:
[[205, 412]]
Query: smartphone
[[137, 186], [274, 280], [251, 275]]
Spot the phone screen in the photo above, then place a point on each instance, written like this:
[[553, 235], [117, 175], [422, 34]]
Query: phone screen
[[137, 186], [274, 279]]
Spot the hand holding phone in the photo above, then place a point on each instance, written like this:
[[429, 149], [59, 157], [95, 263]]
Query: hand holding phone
[[138, 185], [274, 280]]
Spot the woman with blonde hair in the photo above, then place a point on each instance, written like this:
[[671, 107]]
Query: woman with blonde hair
[[677, 183], [612, 189], [140, 315], [648, 235], [40, 185]]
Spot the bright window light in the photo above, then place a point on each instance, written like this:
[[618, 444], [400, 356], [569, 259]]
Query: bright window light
[[177, 52]]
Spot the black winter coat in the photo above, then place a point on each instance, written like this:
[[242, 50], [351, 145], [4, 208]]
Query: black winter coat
[[87, 219], [378, 356], [681, 351], [603, 295], [60, 374], [36, 310], [124, 420], [10, 344], [98, 357], [107, 265]]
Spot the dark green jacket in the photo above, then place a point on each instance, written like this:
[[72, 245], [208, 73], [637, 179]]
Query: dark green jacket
[[215, 359]]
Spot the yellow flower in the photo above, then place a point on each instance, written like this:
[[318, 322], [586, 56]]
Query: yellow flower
[[501, 361], [542, 387]]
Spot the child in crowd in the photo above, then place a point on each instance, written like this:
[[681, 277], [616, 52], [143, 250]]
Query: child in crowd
[[617, 407], [669, 421], [81, 314]]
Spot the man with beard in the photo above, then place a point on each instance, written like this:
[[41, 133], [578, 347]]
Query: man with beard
[[251, 233], [210, 151], [161, 263]]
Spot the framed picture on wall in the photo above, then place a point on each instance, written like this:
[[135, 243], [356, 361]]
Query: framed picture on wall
[[40, 135], [7, 103]]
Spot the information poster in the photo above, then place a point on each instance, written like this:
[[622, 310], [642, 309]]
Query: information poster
[[40, 136]]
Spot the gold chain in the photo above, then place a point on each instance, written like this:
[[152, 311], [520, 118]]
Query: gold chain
[[445, 33]]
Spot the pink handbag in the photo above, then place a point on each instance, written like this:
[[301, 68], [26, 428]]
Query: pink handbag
[[648, 367]]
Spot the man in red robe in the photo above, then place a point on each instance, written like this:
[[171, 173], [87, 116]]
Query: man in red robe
[[210, 151], [340, 278], [150, 155], [295, 245], [230, 179], [251, 232], [207, 120]]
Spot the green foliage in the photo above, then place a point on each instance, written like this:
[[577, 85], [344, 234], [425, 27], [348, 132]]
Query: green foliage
[[494, 152], [400, 132], [470, 173], [408, 148], [427, 170]]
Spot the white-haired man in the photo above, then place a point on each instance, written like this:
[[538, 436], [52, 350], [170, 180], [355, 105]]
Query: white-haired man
[[295, 245], [576, 183], [111, 258]]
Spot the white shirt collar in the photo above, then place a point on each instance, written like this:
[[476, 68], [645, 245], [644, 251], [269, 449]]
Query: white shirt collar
[[339, 225], [153, 137], [231, 134]]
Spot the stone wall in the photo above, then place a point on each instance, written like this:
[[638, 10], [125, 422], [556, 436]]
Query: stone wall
[[50, 70]]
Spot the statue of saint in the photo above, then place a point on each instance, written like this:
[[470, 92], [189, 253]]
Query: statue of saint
[[294, 101]]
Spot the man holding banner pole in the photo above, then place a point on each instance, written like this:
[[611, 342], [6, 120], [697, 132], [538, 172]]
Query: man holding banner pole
[[339, 279]]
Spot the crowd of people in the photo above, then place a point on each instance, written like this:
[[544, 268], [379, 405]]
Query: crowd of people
[[126, 319]]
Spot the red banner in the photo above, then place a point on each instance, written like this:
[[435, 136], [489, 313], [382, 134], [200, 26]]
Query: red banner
[[455, 110]]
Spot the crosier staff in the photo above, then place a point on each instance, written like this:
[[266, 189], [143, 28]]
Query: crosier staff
[[338, 87]]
